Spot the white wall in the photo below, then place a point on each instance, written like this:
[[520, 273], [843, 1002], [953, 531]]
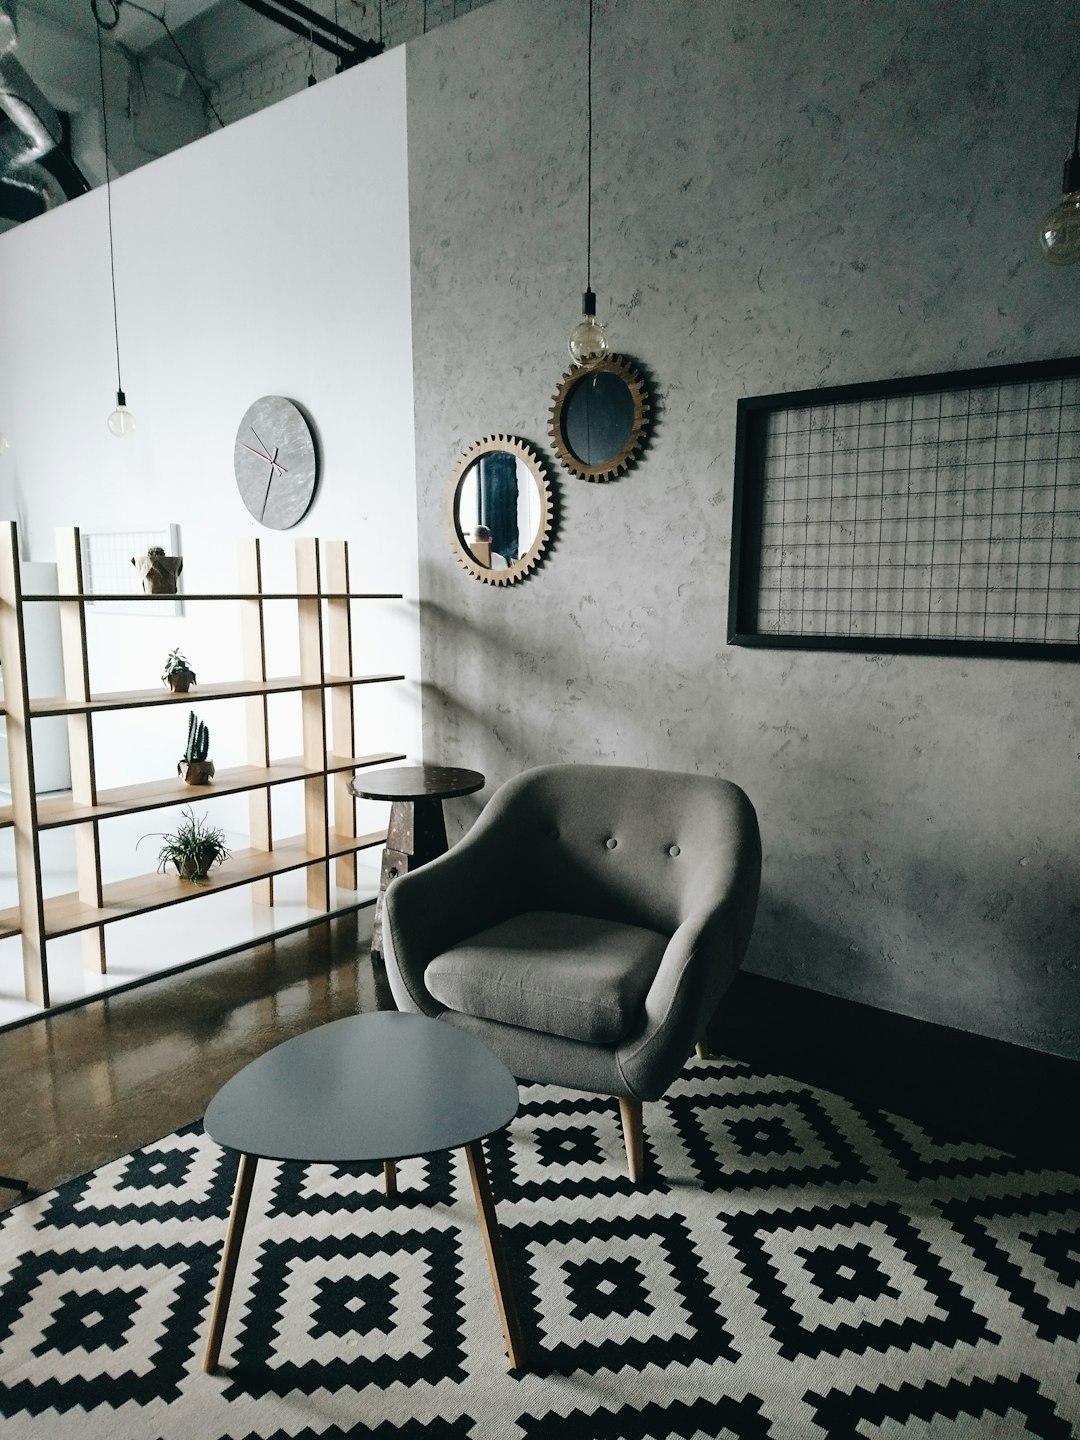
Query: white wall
[[268, 258]]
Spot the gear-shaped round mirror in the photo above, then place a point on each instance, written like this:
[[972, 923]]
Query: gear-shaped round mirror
[[499, 509], [598, 418]]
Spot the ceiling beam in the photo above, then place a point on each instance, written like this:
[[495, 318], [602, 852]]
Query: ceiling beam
[[305, 22]]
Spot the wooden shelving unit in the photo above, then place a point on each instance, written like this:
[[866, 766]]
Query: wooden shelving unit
[[326, 686]]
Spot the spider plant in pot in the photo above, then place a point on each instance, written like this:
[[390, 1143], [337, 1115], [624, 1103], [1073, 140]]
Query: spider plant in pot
[[194, 768], [178, 674], [192, 847]]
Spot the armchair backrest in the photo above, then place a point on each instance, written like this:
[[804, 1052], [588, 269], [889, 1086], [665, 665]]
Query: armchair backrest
[[646, 847]]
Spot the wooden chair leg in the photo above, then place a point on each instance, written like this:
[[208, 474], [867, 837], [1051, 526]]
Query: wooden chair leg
[[701, 1049], [389, 1171], [500, 1273], [245, 1177], [630, 1110]]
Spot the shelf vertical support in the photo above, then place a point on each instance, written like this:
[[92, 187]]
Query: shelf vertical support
[[69, 573], [313, 717], [253, 633], [21, 771], [342, 706]]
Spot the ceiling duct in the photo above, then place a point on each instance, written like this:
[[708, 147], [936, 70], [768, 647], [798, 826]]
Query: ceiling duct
[[36, 168], [30, 127]]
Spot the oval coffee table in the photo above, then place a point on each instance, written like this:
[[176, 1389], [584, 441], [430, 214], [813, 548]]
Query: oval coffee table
[[382, 1086]]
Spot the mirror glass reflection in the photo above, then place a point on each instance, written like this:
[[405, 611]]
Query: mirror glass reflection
[[498, 510], [598, 417]]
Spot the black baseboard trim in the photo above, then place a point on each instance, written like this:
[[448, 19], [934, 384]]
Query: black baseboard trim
[[963, 1086]]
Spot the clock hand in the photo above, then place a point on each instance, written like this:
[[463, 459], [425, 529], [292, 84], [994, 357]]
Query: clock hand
[[266, 493], [252, 451]]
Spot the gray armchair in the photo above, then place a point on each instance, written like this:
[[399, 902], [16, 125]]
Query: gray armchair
[[585, 928]]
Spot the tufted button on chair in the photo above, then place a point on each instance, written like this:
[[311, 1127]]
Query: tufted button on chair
[[586, 928]]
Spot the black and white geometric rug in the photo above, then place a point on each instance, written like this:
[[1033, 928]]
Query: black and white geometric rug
[[795, 1266]]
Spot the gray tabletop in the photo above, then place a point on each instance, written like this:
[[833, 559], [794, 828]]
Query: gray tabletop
[[383, 1086]]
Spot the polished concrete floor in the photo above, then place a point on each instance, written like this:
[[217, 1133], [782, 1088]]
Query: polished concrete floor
[[83, 1086]]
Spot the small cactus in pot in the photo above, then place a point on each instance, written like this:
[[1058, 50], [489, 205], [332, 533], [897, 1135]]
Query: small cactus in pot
[[178, 674], [195, 768]]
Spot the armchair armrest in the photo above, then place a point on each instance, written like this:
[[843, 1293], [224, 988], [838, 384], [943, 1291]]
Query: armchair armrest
[[474, 885], [700, 962]]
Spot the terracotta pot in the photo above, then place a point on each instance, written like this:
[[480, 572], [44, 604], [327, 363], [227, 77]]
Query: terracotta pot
[[158, 572], [195, 772], [180, 681]]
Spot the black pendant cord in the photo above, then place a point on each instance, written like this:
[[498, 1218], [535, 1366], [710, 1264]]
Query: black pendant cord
[[1070, 180], [588, 181], [108, 204]]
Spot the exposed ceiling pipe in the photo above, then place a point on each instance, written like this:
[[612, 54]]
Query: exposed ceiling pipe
[[305, 22]]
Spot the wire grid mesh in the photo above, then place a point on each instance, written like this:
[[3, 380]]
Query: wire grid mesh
[[952, 515], [107, 569]]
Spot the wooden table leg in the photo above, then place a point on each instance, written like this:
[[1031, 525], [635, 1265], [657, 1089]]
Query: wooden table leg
[[245, 1177], [389, 1170], [500, 1274]]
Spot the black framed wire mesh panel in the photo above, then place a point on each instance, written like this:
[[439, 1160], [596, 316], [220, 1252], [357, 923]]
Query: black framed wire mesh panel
[[936, 514]]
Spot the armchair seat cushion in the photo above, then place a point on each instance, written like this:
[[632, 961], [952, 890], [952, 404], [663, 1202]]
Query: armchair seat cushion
[[569, 975]]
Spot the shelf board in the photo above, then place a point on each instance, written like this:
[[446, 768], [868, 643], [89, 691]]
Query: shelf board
[[222, 595], [67, 914], [153, 794], [213, 690]]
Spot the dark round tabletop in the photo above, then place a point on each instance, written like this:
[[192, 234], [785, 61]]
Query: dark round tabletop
[[382, 1086], [416, 782]]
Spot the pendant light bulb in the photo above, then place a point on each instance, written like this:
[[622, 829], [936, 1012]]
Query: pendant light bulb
[[588, 339], [1060, 232], [121, 422]]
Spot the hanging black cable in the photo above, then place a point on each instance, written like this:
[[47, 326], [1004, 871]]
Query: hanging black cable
[[588, 339], [1059, 234], [588, 180], [175, 44], [108, 199]]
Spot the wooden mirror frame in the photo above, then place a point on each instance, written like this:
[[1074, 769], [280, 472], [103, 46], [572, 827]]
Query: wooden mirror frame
[[616, 365], [524, 563]]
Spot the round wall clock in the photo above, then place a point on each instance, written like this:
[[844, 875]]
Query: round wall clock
[[275, 463]]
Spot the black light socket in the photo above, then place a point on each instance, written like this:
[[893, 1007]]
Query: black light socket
[[588, 303]]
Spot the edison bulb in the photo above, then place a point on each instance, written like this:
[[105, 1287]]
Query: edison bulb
[[1060, 233], [121, 422], [588, 341]]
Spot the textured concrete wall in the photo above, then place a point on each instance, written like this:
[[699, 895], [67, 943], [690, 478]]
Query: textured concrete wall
[[787, 194]]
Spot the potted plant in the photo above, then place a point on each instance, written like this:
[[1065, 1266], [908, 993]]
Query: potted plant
[[194, 768], [158, 571], [192, 847], [178, 674]]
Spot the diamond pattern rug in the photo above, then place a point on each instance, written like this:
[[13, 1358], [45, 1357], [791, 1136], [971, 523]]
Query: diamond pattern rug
[[794, 1265]]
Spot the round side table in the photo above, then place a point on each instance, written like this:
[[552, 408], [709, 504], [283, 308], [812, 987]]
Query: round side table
[[417, 830]]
